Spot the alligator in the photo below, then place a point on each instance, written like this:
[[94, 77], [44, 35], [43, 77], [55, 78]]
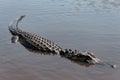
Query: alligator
[[44, 45]]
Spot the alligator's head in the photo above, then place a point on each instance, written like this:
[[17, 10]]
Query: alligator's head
[[92, 59]]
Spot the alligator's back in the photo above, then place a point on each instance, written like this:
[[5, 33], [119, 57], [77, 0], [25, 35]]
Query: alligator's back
[[38, 42], [41, 43]]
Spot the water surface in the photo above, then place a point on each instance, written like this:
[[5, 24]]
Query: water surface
[[77, 24]]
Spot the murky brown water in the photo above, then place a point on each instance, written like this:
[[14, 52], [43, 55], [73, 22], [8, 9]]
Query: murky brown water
[[78, 24]]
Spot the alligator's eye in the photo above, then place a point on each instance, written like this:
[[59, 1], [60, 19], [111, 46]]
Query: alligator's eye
[[15, 39]]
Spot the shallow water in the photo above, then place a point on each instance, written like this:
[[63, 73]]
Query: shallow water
[[78, 24]]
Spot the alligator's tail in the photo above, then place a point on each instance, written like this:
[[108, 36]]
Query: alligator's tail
[[13, 25], [16, 21]]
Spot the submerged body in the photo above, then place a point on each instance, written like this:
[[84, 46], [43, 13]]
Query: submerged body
[[45, 45]]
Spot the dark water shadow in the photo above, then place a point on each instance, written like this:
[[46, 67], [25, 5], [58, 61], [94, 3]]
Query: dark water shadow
[[78, 62], [32, 49]]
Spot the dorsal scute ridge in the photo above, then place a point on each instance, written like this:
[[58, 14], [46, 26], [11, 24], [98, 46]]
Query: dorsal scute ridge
[[39, 41]]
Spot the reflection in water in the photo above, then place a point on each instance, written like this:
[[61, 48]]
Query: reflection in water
[[36, 51]]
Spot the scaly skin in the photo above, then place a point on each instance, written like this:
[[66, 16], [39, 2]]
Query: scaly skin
[[46, 45], [37, 41]]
